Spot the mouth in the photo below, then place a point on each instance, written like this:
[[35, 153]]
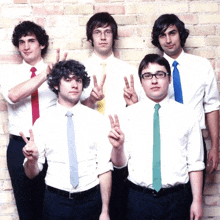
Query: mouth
[[169, 46], [155, 88]]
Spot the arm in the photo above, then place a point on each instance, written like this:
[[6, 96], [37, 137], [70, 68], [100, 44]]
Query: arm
[[196, 185], [130, 95], [96, 93], [26, 88], [30, 151], [213, 127], [105, 180], [116, 138]]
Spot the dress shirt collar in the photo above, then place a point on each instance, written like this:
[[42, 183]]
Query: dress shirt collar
[[179, 59], [150, 103], [98, 59], [40, 66], [63, 110]]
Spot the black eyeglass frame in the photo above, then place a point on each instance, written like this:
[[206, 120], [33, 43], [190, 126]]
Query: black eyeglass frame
[[158, 75]]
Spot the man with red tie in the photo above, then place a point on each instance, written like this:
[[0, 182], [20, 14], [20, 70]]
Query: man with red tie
[[27, 94]]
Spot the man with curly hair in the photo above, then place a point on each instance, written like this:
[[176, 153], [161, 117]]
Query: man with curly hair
[[79, 190], [27, 97]]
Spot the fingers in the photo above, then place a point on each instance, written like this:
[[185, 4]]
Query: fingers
[[132, 81], [103, 81], [64, 56], [31, 135], [23, 136], [58, 55], [111, 121], [117, 121], [126, 82], [95, 81], [114, 123]]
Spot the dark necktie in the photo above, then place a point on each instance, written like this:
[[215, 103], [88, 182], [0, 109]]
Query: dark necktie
[[177, 84], [156, 151], [74, 178], [34, 100]]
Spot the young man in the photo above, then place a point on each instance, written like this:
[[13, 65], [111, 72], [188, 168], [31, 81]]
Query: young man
[[162, 146], [196, 80], [110, 75], [51, 139], [27, 95]]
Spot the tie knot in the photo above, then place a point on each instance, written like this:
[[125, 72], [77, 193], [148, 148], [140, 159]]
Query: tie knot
[[157, 106], [175, 63], [33, 70], [103, 64], [69, 114]]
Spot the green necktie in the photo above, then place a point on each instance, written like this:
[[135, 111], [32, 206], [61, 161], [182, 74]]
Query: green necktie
[[156, 151]]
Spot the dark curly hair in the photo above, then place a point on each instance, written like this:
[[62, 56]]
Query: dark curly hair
[[153, 58], [26, 28], [161, 25], [101, 19], [65, 69]]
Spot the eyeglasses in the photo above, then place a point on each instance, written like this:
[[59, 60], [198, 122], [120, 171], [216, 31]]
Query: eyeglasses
[[158, 75], [98, 33]]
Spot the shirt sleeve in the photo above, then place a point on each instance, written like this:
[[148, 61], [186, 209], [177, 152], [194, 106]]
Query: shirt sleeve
[[211, 98], [195, 153], [104, 148]]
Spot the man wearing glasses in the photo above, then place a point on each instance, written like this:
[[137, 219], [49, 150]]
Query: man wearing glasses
[[161, 143]]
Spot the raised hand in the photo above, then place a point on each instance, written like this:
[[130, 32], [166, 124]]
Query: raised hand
[[130, 95], [97, 91], [50, 65], [30, 150], [116, 136]]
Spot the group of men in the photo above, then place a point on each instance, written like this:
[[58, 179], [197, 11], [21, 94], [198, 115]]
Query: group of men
[[73, 163]]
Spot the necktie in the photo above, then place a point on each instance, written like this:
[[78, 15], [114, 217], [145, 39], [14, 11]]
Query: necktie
[[74, 178], [156, 151], [177, 83], [101, 104], [34, 100]]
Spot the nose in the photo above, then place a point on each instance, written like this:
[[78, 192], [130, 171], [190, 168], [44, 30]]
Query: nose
[[103, 35], [154, 80], [74, 84], [26, 45], [168, 39]]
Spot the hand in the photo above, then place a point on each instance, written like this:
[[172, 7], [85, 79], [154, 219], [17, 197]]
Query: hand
[[116, 136], [30, 150], [196, 211], [50, 65], [213, 160], [104, 216], [130, 95], [97, 92]]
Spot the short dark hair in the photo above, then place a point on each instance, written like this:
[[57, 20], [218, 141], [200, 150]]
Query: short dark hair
[[161, 25], [101, 19], [153, 58], [65, 69], [26, 28]]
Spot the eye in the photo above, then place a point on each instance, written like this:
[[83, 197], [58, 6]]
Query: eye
[[162, 35], [79, 80]]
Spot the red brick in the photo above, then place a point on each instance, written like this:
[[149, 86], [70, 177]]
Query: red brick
[[16, 58], [111, 9], [20, 1]]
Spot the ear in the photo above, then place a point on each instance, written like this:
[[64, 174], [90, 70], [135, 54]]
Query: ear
[[42, 47], [170, 79], [56, 87]]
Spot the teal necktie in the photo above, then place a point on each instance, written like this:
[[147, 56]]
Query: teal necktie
[[156, 151], [177, 84], [74, 178]]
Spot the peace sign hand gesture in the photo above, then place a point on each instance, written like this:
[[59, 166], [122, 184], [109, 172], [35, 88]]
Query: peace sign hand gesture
[[30, 150], [97, 92], [130, 95], [116, 136]]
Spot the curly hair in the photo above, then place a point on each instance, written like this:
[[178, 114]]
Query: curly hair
[[161, 25], [26, 28], [102, 19], [153, 58], [65, 69]]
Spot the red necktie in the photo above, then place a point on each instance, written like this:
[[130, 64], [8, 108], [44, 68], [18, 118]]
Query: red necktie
[[34, 100]]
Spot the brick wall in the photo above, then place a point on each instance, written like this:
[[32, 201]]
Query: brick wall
[[64, 21]]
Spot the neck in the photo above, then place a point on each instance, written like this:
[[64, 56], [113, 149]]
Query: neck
[[103, 56], [33, 63], [68, 105], [175, 56]]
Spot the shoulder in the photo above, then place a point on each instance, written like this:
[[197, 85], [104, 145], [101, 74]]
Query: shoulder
[[197, 60]]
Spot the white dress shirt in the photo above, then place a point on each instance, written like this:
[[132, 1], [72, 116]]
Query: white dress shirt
[[20, 113], [199, 86], [181, 142], [92, 146], [116, 70]]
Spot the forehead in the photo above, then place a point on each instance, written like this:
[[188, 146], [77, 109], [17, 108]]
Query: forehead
[[153, 67], [104, 27], [27, 37], [170, 28]]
